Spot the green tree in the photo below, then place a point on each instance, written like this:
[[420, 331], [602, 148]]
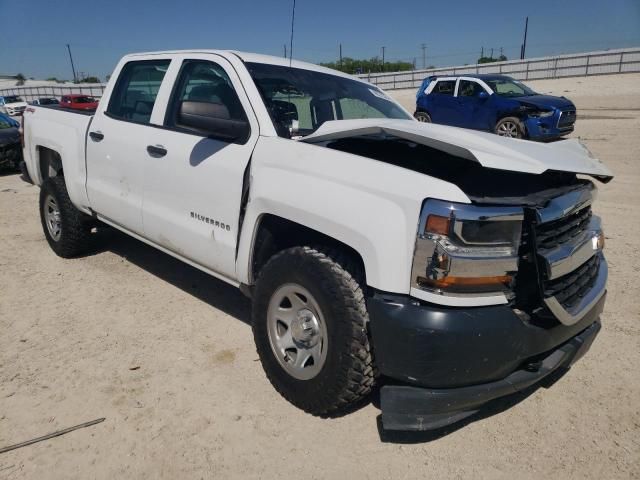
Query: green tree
[[89, 80], [372, 65], [501, 58], [20, 79]]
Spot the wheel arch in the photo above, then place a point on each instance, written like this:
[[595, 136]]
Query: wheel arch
[[274, 233], [49, 163]]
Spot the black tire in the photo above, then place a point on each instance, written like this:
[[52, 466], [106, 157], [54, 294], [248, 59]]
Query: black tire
[[347, 375], [74, 226], [510, 127], [423, 117]]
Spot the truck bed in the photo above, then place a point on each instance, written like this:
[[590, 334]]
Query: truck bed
[[50, 128]]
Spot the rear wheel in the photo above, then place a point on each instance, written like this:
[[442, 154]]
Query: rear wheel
[[423, 117], [510, 127], [66, 228], [309, 325]]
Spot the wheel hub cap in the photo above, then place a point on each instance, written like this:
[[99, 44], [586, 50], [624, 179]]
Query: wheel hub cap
[[305, 329], [52, 218], [297, 331]]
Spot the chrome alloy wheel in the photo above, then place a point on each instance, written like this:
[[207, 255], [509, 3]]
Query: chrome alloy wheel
[[52, 217], [508, 129], [297, 331]]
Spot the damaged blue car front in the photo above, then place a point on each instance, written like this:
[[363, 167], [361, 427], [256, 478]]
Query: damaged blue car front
[[494, 103]]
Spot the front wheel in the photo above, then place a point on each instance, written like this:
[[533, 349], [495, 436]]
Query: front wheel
[[309, 326], [422, 117], [510, 127]]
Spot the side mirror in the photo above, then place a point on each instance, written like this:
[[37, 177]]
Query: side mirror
[[483, 95], [212, 119]]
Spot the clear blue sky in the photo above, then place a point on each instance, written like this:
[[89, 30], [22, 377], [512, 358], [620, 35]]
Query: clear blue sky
[[35, 31]]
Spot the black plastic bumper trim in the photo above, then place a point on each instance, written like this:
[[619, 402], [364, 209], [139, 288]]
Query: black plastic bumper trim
[[414, 408]]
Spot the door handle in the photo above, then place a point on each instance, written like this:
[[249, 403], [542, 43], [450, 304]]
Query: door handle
[[156, 150], [96, 136]]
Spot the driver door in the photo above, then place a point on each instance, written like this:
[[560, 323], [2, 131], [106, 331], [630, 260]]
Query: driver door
[[472, 106], [193, 178]]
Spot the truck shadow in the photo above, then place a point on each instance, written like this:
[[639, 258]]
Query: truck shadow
[[231, 301], [490, 409], [196, 283]]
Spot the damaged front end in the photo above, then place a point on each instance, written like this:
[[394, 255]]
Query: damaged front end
[[505, 289]]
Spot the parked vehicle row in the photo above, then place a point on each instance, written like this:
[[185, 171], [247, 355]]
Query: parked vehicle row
[[14, 106], [494, 103], [460, 265], [10, 148]]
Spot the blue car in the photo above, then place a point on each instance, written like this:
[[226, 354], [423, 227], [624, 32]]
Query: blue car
[[9, 120], [494, 103]]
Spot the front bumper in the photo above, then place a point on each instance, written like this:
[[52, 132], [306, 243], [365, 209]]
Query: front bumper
[[548, 128], [449, 361]]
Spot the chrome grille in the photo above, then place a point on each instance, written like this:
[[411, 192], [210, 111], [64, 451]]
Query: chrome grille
[[569, 289], [552, 234], [561, 264]]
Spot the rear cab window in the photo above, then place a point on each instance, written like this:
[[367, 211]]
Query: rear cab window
[[135, 92]]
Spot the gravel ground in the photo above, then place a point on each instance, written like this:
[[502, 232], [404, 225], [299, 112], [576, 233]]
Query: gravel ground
[[165, 353]]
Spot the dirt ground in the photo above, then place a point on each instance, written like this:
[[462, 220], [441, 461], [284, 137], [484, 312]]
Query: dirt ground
[[166, 355]]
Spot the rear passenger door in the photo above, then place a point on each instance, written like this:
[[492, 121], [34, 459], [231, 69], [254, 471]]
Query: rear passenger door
[[194, 179], [117, 143], [443, 103]]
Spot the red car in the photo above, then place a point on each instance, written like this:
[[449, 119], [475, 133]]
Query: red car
[[78, 102]]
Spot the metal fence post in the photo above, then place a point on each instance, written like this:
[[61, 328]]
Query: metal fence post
[[620, 64], [586, 70]]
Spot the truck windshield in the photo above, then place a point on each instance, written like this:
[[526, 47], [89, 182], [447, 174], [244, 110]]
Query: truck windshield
[[12, 99], [299, 100], [506, 87]]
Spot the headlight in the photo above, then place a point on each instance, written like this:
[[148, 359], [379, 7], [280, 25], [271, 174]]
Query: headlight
[[541, 113], [466, 250]]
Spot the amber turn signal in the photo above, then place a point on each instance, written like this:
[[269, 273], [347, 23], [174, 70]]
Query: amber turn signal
[[437, 224], [462, 282]]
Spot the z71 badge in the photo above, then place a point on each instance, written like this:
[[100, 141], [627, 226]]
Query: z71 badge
[[211, 221]]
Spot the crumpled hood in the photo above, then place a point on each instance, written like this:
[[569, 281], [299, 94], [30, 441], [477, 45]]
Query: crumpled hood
[[546, 101], [491, 151]]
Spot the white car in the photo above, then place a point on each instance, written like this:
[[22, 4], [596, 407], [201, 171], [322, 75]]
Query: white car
[[12, 105], [459, 265]]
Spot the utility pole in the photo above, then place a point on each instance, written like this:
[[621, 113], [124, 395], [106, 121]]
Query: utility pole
[[383, 48], [491, 53], [501, 54], [523, 48], [73, 69], [414, 63], [340, 56], [424, 55], [285, 50], [481, 52]]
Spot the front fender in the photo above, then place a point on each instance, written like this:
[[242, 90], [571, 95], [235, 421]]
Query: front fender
[[369, 205]]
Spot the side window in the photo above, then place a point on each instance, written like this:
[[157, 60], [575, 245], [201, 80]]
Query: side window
[[445, 87], [204, 82], [468, 88], [136, 89]]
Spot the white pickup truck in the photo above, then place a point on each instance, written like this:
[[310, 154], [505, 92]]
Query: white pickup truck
[[456, 265]]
